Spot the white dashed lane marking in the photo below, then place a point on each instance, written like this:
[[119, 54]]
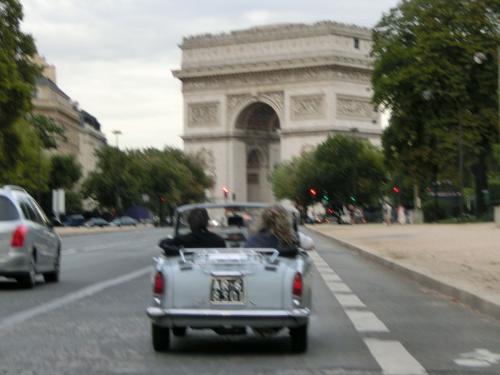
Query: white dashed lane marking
[[393, 358], [349, 300], [57, 303], [391, 355], [366, 321]]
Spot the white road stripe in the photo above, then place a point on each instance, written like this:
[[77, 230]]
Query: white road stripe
[[330, 277], [103, 247], [391, 355], [22, 316], [338, 287], [393, 358], [366, 321], [349, 300]]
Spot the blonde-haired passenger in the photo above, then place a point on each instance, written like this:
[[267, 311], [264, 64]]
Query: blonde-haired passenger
[[275, 231]]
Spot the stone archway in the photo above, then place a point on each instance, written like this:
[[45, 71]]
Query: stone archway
[[258, 124]]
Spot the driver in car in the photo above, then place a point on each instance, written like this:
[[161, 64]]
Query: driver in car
[[200, 236]]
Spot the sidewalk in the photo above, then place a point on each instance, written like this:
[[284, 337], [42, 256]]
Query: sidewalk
[[459, 257]]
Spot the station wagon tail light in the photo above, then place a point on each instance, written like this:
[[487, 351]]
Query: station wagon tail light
[[297, 285], [19, 236], [159, 284]]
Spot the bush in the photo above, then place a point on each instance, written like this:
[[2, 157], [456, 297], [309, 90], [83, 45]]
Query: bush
[[446, 209]]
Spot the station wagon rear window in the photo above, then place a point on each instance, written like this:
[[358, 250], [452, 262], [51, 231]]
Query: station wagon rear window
[[8, 211]]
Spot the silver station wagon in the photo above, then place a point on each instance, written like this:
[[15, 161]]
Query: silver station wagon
[[28, 243], [231, 290]]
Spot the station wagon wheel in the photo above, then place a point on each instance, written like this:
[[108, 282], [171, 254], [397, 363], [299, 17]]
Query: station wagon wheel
[[28, 280], [179, 331], [299, 338], [53, 276], [161, 338]]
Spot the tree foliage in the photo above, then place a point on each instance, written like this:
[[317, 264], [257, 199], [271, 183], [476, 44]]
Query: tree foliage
[[47, 129], [33, 172], [341, 168], [65, 171], [436, 70], [17, 79], [123, 178]]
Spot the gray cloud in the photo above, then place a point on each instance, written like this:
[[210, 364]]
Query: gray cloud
[[114, 56]]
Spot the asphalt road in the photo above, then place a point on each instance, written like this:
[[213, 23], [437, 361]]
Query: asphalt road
[[367, 320]]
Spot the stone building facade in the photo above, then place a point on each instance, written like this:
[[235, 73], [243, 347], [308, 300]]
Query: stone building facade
[[256, 97], [82, 131]]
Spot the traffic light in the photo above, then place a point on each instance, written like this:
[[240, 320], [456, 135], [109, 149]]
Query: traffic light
[[162, 199], [313, 192], [353, 198], [395, 189], [225, 190]]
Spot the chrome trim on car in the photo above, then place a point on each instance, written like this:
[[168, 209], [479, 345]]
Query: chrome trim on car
[[158, 313]]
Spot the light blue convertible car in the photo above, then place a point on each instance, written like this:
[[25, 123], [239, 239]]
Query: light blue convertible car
[[232, 290]]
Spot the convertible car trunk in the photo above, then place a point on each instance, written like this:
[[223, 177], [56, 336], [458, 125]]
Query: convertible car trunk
[[229, 279]]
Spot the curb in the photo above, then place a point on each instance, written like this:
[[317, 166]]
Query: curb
[[481, 304]]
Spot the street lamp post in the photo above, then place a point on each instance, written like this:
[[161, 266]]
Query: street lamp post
[[117, 133]]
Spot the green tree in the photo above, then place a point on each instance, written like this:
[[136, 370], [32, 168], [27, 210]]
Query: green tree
[[341, 168], [350, 169], [33, 172], [114, 183], [293, 179], [17, 79], [122, 178], [65, 172], [47, 129], [435, 69]]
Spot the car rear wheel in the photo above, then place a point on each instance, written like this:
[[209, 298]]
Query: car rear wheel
[[179, 331], [53, 276], [28, 280], [161, 338], [299, 339]]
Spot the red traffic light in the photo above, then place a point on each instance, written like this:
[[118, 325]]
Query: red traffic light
[[313, 192], [395, 189]]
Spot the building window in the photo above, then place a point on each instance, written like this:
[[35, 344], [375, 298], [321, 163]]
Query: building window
[[356, 43]]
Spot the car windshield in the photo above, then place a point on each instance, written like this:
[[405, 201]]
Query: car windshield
[[223, 219], [8, 211]]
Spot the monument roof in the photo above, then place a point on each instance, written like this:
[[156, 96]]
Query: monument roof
[[275, 32]]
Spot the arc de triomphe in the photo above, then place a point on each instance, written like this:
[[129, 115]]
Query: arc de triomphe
[[255, 97]]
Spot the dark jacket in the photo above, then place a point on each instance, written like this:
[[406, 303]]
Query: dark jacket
[[200, 239]]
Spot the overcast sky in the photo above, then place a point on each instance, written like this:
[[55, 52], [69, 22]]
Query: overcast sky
[[115, 56]]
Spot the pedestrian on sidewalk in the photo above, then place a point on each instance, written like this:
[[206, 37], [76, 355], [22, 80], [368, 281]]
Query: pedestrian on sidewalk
[[387, 209], [401, 214]]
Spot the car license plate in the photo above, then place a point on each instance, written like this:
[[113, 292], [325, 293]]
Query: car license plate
[[227, 290]]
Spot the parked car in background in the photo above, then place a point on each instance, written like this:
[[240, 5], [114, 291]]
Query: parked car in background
[[28, 243], [96, 222], [124, 221], [74, 221]]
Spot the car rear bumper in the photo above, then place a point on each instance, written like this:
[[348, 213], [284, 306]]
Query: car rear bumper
[[13, 264], [234, 318]]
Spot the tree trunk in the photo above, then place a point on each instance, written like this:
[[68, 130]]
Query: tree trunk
[[481, 183]]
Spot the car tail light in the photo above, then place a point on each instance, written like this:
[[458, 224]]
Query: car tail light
[[159, 284], [297, 285], [19, 236]]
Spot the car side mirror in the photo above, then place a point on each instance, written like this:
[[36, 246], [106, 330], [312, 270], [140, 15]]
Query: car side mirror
[[55, 222], [306, 242]]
